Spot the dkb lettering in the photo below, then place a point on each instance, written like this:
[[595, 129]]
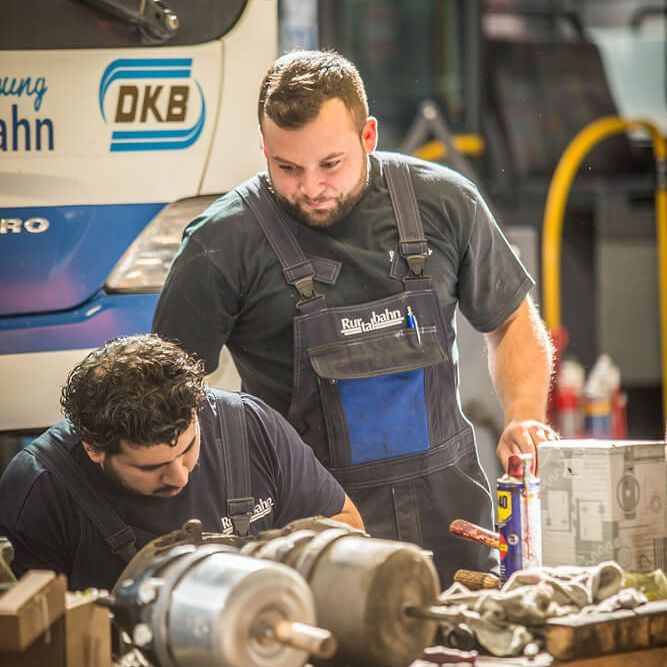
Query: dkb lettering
[[143, 105]]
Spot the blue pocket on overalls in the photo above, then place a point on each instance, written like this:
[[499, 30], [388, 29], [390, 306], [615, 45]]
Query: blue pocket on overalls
[[373, 394]]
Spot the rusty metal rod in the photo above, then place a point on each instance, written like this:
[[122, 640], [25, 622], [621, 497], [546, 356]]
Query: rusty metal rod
[[474, 533]]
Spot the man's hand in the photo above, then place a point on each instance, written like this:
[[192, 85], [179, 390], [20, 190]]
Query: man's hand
[[349, 514], [523, 437]]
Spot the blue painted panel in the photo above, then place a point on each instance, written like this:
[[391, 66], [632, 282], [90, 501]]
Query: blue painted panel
[[66, 264], [386, 415], [103, 317]]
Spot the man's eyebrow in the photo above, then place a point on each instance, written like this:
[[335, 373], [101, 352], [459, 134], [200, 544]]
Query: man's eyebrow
[[331, 156], [277, 158], [155, 466]]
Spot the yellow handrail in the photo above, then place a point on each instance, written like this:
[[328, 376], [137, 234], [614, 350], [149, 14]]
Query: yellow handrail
[[468, 144], [554, 214]]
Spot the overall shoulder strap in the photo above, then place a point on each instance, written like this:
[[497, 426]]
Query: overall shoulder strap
[[118, 536], [413, 246], [236, 457], [297, 268]]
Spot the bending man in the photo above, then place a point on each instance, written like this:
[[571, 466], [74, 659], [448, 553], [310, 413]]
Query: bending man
[[147, 434]]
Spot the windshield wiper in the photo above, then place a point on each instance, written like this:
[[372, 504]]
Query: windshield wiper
[[155, 20]]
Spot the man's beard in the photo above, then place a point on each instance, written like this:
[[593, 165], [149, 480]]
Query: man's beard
[[344, 204], [115, 478]]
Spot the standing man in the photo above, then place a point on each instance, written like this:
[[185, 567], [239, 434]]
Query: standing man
[[158, 448], [333, 278]]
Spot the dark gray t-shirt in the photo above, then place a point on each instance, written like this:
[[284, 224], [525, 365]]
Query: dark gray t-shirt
[[226, 285], [50, 531]]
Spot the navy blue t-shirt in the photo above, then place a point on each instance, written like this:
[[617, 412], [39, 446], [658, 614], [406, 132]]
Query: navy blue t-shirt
[[50, 531]]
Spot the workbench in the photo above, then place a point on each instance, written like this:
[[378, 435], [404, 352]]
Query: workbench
[[652, 657]]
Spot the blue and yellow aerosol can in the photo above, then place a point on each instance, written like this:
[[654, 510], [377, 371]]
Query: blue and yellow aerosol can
[[519, 521]]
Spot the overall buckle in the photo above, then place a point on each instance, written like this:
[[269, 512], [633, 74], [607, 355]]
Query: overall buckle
[[416, 264]]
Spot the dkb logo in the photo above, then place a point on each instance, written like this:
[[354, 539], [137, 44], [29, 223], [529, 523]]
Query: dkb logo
[[152, 92]]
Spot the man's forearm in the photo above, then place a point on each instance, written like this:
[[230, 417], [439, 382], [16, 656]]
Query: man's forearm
[[349, 515], [520, 363]]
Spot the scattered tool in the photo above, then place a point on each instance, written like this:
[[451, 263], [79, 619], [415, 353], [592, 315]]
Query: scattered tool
[[476, 581], [474, 533], [441, 655]]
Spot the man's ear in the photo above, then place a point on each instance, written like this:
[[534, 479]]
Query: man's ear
[[94, 455], [369, 135], [262, 143]]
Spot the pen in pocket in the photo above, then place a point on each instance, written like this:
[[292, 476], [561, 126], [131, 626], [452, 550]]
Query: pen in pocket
[[413, 324]]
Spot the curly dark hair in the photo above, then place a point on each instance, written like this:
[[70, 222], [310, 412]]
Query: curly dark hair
[[138, 389], [299, 82]]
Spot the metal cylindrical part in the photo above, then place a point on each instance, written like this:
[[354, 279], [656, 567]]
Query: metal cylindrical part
[[219, 610], [317, 642], [284, 549], [362, 587], [434, 613]]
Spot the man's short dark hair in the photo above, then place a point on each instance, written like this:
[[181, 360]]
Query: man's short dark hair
[[298, 83], [138, 389]]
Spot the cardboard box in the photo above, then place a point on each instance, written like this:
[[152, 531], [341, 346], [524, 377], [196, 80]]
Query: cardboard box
[[29, 608], [41, 624], [48, 650], [87, 632], [604, 500]]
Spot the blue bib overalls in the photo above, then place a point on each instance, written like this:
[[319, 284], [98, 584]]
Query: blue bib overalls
[[374, 393]]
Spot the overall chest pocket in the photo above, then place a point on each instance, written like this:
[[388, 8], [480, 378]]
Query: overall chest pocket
[[375, 394]]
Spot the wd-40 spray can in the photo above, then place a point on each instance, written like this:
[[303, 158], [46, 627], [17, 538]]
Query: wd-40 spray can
[[519, 519]]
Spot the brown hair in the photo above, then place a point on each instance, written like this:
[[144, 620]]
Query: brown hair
[[298, 83], [140, 389]]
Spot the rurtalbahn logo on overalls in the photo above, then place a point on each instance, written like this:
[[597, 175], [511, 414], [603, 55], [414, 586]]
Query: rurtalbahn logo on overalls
[[152, 104], [263, 507], [355, 325]]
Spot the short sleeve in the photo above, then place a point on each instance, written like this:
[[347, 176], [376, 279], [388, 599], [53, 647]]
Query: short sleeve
[[492, 281], [303, 486], [192, 310], [32, 517], [204, 290]]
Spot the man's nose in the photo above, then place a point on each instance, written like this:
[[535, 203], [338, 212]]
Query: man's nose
[[176, 474], [312, 184]]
